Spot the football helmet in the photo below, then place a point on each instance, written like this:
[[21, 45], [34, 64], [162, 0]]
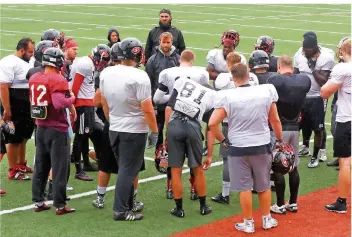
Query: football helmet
[[114, 52], [131, 48], [54, 35], [161, 159], [283, 158], [258, 59], [231, 35], [41, 47], [53, 57], [101, 56], [265, 43]]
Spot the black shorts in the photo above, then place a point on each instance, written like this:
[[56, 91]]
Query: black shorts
[[107, 162], [85, 120], [21, 118], [128, 148], [184, 139], [313, 113], [207, 115], [342, 140]]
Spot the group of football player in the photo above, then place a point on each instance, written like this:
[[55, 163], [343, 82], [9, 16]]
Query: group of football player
[[106, 98]]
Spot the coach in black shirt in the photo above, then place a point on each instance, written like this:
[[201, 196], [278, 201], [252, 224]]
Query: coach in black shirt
[[164, 26], [292, 90]]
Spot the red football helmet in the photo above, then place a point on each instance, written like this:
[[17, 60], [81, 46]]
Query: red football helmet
[[283, 158], [232, 36], [161, 159]]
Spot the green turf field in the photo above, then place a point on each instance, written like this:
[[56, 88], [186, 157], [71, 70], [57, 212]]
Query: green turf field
[[202, 27]]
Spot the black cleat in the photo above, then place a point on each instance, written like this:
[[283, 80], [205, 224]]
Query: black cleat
[[221, 199], [333, 163], [178, 212], [205, 210], [127, 216], [337, 207]]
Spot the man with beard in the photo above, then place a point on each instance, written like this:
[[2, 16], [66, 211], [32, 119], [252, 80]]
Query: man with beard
[[15, 106], [165, 57], [153, 39]]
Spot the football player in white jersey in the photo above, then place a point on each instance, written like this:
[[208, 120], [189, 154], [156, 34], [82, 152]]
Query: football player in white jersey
[[162, 95], [225, 82], [126, 96], [184, 113], [83, 87], [341, 81], [317, 65]]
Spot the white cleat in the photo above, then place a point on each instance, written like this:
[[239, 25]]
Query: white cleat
[[247, 226], [322, 155], [269, 222], [314, 162], [278, 210]]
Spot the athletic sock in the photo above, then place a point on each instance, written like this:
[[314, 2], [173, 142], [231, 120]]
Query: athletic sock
[[178, 203], [315, 152], [101, 191], [202, 201], [225, 188]]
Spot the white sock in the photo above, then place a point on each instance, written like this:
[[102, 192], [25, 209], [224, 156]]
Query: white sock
[[225, 188], [268, 216], [101, 190]]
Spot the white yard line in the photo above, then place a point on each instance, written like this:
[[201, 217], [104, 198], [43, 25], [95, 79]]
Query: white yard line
[[140, 28], [307, 7], [110, 188]]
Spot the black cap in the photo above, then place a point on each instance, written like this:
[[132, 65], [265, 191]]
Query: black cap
[[310, 33], [310, 42], [165, 11]]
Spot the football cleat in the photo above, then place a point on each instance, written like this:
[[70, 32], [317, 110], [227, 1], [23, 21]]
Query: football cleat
[[98, 202], [292, 207], [178, 212], [64, 210], [314, 162], [269, 222], [42, 207], [127, 216], [205, 210], [337, 207], [221, 199], [278, 210], [246, 226]]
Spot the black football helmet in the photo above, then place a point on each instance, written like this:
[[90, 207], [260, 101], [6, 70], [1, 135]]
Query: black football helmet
[[41, 47], [232, 35], [283, 158], [54, 35], [258, 59], [130, 48], [101, 56], [161, 159], [265, 43], [114, 52], [53, 57]]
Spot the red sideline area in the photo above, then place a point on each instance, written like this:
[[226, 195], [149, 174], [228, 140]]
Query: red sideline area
[[311, 220]]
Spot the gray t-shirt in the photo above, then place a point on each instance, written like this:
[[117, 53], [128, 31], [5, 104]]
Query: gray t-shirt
[[341, 74], [13, 70], [124, 89], [247, 111]]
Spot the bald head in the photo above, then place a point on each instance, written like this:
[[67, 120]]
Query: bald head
[[284, 64]]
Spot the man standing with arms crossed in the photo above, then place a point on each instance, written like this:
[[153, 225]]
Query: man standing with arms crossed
[[292, 90], [250, 160], [126, 96]]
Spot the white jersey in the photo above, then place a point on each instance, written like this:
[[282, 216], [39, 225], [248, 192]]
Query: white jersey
[[85, 67], [224, 81], [247, 111], [192, 99], [124, 89], [13, 70], [168, 77], [300, 51], [32, 61], [325, 61], [341, 74], [216, 59]]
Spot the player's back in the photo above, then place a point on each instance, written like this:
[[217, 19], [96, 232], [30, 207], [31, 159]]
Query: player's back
[[125, 88]]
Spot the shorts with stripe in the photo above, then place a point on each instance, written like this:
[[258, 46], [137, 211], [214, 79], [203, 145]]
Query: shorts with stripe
[[85, 120]]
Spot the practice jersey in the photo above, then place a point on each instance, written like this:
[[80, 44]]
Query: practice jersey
[[324, 62], [13, 70], [191, 99], [224, 81], [41, 87], [124, 89], [300, 51], [168, 77], [247, 110], [341, 74], [263, 77], [292, 91], [85, 67], [216, 59]]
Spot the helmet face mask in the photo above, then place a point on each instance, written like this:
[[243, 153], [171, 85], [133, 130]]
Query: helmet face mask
[[161, 160], [231, 36], [258, 59], [101, 56], [283, 159], [265, 43]]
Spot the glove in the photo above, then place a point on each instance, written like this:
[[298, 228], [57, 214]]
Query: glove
[[152, 140], [311, 63]]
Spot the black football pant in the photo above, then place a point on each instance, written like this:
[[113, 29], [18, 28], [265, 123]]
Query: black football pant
[[52, 152], [280, 186], [160, 120]]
